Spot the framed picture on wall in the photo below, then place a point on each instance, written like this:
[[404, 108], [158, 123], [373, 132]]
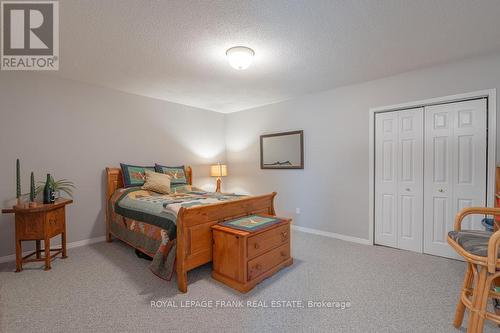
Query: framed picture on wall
[[282, 150]]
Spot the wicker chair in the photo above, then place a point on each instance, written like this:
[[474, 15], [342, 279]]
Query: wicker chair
[[480, 250]]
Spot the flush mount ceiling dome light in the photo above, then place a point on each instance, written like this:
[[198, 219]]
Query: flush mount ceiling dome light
[[240, 57]]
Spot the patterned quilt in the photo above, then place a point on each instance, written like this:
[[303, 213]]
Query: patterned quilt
[[147, 220]]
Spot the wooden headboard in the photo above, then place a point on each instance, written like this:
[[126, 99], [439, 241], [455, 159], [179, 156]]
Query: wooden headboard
[[114, 179]]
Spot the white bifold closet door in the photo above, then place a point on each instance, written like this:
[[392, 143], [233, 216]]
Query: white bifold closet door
[[399, 179], [429, 164], [455, 169]]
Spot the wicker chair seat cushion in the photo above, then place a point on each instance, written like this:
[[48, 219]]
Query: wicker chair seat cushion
[[473, 241]]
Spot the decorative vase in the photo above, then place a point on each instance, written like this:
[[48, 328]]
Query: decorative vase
[[48, 191]]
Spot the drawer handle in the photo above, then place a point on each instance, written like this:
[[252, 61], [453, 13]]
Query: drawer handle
[[258, 267], [283, 253], [284, 235], [256, 246]]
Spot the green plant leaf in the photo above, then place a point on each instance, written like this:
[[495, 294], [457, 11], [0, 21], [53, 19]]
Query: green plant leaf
[[62, 185]]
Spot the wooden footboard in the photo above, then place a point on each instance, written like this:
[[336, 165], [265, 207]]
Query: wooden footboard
[[194, 234]]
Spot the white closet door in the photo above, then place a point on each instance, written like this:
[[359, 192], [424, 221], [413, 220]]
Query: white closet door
[[399, 179], [410, 179], [455, 169], [386, 179]]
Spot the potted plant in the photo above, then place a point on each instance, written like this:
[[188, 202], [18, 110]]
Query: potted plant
[[58, 186]]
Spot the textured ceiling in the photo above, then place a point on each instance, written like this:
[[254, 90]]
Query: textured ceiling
[[175, 50]]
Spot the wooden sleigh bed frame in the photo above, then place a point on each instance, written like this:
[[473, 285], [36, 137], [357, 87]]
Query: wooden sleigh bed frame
[[194, 233]]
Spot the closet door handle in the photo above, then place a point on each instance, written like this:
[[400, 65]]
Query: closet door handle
[[441, 190], [407, 189]]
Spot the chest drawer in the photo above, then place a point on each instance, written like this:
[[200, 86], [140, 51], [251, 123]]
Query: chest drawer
[[263, 242], [268, 260], [244, 258]]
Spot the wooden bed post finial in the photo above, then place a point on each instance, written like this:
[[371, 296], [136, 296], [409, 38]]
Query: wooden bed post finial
[[189, 175]]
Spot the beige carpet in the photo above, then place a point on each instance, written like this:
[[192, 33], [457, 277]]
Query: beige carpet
[[106, 288]]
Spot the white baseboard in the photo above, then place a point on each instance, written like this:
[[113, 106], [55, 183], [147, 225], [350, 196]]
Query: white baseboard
[[82, 242], [86, 242], [332, 235]]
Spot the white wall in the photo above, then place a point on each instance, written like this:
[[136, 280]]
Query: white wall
[[332, 190], [74, 130]]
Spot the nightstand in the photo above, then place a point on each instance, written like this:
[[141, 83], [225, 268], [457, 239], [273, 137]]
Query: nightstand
[[36, 223], [243, 258]]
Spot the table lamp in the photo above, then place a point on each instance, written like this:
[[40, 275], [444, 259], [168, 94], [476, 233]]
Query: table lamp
[[218, 170]]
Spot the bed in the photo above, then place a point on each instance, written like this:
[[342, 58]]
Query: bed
[[192, 235]]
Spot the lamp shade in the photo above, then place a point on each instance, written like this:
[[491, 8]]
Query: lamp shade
[[218, 170]]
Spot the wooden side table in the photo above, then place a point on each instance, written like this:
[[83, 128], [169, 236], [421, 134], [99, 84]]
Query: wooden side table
[[36, 223]]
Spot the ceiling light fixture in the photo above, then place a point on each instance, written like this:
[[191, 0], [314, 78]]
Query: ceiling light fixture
[[240, 57]]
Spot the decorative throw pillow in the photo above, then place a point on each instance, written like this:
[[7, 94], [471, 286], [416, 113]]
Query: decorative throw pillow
[[177, 174], [157, 182], [134, 175]]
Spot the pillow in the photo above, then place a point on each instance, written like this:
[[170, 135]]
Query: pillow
[[133, 175], [157, 182], [177, 174]]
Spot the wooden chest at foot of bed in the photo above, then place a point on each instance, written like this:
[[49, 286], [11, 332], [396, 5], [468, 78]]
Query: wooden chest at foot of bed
[[242, 258]]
